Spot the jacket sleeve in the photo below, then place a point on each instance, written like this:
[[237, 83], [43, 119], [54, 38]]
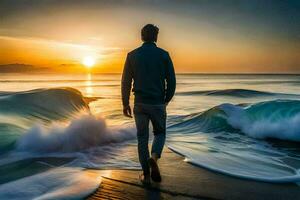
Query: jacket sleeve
[[170, 79], [126, 82]]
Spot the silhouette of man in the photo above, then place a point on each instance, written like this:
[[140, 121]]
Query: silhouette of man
[[152, 72]]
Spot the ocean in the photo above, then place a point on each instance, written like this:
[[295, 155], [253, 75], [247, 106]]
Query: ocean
[[54, 127]]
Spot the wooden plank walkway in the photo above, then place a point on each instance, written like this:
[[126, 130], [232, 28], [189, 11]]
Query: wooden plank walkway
[[184, 181]]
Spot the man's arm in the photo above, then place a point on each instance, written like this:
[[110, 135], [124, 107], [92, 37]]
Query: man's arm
[[126, 87], [170, 79]]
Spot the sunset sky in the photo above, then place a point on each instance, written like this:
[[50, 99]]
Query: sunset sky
[[228, 36]]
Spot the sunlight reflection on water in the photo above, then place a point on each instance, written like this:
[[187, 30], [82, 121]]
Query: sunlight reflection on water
[[88, 85]]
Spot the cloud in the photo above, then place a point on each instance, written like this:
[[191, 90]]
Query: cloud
[[238, 33], [50, 42], [43, 40]]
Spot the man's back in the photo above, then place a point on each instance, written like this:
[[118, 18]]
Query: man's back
[[150, 68]]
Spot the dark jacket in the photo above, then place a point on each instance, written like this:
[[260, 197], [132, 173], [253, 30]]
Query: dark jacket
[[152, 72]]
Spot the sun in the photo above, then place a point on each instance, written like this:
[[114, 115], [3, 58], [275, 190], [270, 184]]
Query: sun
[[88, 61]]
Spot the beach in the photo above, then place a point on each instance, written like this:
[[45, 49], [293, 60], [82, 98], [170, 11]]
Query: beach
[[184, 181], [228, 137]]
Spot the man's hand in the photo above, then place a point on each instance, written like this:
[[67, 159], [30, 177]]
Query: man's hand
[[127, 111]]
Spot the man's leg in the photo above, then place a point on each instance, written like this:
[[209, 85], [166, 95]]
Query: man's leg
[[142, 126], [158, 119]]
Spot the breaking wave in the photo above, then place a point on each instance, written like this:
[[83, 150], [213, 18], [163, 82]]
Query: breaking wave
[[51, 137], [278, 119], [218, 139]]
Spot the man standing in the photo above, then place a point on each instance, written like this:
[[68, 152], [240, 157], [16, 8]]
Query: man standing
[[154, 82]]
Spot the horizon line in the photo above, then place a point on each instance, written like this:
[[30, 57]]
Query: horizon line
[[179, 73]]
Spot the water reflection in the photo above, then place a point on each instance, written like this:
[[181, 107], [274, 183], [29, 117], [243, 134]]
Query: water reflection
[[89, 85]]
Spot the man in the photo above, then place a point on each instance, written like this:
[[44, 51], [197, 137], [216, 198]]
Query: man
[[154, 82]]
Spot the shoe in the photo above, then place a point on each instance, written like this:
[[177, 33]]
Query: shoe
[[155, 174]]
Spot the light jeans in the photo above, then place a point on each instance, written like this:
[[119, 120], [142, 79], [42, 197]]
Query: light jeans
[[143, 114]]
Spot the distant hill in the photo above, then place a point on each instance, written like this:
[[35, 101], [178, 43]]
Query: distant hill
[[15, 68], [62, 68]]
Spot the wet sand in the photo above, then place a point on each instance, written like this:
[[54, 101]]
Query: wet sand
[[185, 181]]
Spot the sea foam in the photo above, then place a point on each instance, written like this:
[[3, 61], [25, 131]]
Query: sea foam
[[286, 128], [58, 183], [278, 119], [82, 133]]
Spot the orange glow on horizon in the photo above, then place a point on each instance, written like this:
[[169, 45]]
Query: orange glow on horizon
[[211, 57]]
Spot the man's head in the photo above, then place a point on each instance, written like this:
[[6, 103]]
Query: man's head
[[149, 33]]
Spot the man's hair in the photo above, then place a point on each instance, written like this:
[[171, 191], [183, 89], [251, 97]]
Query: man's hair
[[149, 33]]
